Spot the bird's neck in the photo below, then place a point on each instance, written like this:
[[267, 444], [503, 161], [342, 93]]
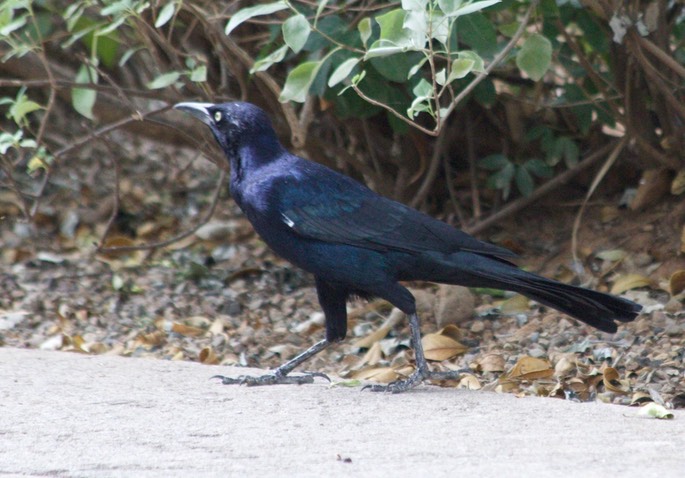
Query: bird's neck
[[251, 156]]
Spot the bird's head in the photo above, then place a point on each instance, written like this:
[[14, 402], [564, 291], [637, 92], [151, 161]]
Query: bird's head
[[235, 125]]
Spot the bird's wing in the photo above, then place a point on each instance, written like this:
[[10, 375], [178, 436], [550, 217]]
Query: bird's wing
[[337, 210]]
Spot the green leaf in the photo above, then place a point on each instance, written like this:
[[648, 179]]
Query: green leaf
[[397, 68], [539, 168], [163, 80], [457, 8], [319, 9], [165, 14], [524, 181], [535, 56], [460, 68], [199, 74], [478, 63], [479, 33], [394, 32], [567, 149], [15, 24], [423, 96], [502, 179], [128, 54], [246, 13], [20, 109], [440, 27], [494, 162], [296, 30], [414, 5], [298, 82], [83, 99], [274, 57], [364, 28], [342, 72]]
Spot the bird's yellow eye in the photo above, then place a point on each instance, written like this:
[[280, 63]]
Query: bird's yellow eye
[[217, 116]]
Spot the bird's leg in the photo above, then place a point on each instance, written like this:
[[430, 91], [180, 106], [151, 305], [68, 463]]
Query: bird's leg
[[422, 372], [280, 375]]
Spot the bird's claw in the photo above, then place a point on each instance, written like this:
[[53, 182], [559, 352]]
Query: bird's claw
[[414, 379], [272, 379]]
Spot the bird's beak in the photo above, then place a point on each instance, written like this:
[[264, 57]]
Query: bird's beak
[[199, 110]]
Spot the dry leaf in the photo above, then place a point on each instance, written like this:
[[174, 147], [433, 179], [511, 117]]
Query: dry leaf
[[372, 356], [654, 183], [564, 366], [443, 345], [372, 338], [208, 357], [179, 328], [119, 259], [612, 382], [217, 326], [491, 363], [640, 398], [530, 368], [628, 282], [383, 374], [469, 382], [515, 305], [609, 213], [676, 283], [678, 183], [613, 255]]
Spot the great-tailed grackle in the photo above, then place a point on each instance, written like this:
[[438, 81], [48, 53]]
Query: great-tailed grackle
[[356, 242]]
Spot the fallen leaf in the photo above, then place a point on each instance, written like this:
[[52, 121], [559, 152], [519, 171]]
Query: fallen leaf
[[654, 183], [515, 305], [530, 368], [179, 328], [208, 356], [564, 366], [612, 382], [640, 398], [654, 410], [491, 363], [628, 282], [676, 283], [443, 344], [613, 255], [678, 183], [372, 356], [469, 382], [383, 374]]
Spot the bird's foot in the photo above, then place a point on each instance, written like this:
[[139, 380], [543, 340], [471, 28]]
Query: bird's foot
[[448, 375], [400, 386], [414, 379], [275, 378]]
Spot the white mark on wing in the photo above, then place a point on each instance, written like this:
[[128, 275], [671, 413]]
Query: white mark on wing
[[288, 221]]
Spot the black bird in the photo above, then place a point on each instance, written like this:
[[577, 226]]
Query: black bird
[[358, 243]]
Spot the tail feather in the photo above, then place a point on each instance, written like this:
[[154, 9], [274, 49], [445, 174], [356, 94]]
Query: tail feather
[[594, 308]]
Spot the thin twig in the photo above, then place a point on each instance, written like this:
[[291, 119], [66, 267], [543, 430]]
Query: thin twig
[[595, 182], [661, 55]]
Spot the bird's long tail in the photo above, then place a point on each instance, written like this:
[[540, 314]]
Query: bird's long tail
[[594, 308]]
